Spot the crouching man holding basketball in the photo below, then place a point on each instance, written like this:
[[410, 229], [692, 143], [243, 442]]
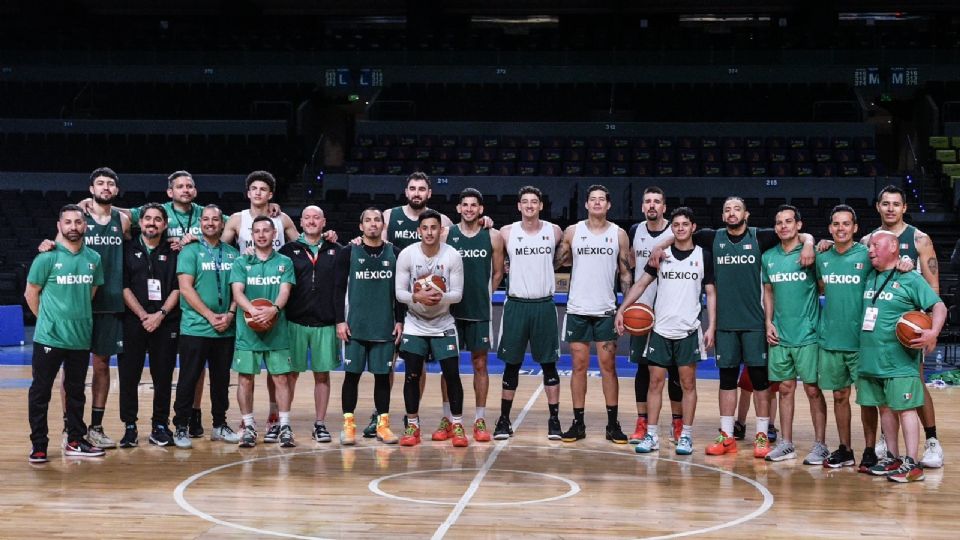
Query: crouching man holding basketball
[[889, 375], [678, 339]]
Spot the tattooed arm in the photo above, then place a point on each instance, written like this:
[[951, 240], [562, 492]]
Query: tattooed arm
[[927, 259]]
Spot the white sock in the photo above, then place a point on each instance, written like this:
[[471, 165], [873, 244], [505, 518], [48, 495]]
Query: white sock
[[763, 424], [654, 431], [726, 425], [248, 421], [480, 413], [446, 409], [457, 419], [413, 421], [686, 431], [285, 418]]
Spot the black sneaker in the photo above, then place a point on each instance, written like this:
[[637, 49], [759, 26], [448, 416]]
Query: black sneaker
[[320, 433], [370, 431], [841, 457], [161, 435], [82, 448], [739, 430], [772, 433], [273, 434], [577, 431], [554, 431], [196, 424], [286, 437], [616, 435], [130, 438], [39, 455], [504, 430], [868, 460]]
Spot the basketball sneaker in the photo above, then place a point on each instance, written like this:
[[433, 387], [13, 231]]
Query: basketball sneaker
[[320, 433], [370, 431], [272, 421], [577, 431], [761, 446], [286, 437], [676, 426], [444, 430], [196, 424], [684, 446], [160, 435], [841, 457], [130, 438], [647, 445], [932, 454], [273, 434], [458, 436], [868, 460], [411, 436], [723, 444], [503, 429], [781, 452], [480, 433], [38, 455], [886, 466], [772, 433], [739, 430], [82, 448], [249, 437], [818, 454], [554, 431], [181, 437], [908, 471], [348, 437], [224, 433], [640, 431], [615, 434], [384, 434], [96, 437]]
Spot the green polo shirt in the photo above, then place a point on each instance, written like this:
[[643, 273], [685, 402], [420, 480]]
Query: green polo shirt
[[796, 304], [67, 280], [262, 279], [210, 268]]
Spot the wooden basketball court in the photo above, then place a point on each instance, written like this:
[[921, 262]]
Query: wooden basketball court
[[525, 487]]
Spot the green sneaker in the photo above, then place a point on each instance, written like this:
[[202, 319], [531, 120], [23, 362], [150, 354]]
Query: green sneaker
[[370, 431]]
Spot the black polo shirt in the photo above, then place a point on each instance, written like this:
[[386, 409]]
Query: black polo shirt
[[311, 299], [139, 265]]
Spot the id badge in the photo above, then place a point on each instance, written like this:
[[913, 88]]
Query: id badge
[[153, 289], [870, 318]]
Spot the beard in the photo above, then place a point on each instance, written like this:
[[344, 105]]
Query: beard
[[73, 236], [101, 200], [417, 205], [737, 225]]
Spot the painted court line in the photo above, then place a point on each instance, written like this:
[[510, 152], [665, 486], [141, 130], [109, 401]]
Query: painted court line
[[484, 469]]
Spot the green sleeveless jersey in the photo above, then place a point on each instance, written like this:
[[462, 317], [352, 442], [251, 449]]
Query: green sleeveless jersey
[[737, 274], [477, 255], [67, 279], [796, 303], [370, 294], [107, 240], [843, 276], [401, 230]]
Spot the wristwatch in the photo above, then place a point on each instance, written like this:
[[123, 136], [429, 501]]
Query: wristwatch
[[163, 312]]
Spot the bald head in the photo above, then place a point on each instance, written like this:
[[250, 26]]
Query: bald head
[[312, 223], [884, 250]]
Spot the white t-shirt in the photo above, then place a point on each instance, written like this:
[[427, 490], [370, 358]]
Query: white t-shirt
[[412, 264]]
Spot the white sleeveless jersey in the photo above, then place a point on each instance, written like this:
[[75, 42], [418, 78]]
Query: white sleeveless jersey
[[677, 306], [593, 279], [245, 236], [643, 244], [531, 261]]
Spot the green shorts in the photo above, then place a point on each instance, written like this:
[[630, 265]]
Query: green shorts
[[898, 393], [249, 362], [374, 356], [320, 341], [837, 369], [735, 347], [435, 347], [107, 338], [638, 349], [789, 363], [529, 321], [666, 352], [474, 335], [587, 328]]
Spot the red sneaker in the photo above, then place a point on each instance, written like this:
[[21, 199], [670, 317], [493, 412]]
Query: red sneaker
[[677, 429], [444, 431], [640, 432], [411, 436], [459, 436], [480, 433], [761, 446], [723, 444]]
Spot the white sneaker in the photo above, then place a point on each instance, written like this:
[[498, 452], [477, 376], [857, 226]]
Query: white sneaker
[[782, 452], [932, 454], [818, 454], [224, 433], [881, 448], [97, 437], [181, 438]]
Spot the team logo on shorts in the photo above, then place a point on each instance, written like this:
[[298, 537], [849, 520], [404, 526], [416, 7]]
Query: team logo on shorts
[[347, 361], [907, 396], [451, 347]]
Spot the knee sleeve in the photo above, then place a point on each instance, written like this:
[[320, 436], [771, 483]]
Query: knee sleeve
[[759, 377], [674, 390], [511, 376], [642, 382], [550, 375], [413, 368], [728, 378]]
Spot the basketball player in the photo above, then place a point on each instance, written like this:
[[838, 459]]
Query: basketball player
[[481, 250], [311, 316], [151, 325], [60, 287], [429, 329], [889, 375], [740, 321], [599, 251], [677, 338], [792, 311], [364, 275], [264, 274], [207, 333], [529, 313], [645, 236]]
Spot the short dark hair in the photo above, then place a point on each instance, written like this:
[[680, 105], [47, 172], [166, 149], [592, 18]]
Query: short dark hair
[[598, 187], [262, 176], [69, 208], [785, 207], [683, 211], [212, 206], [893, 189], [530, 189], [471, 192], [843, 208], [154, 206], [371, 209], [178, 174], [263, 218], [104, 171], [653, 189], [430, 213], [419, 176], [736, 198]]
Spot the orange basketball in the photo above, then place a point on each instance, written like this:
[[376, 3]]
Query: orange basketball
[[430, 281], [257, 327], [638, 319], [910, 325]]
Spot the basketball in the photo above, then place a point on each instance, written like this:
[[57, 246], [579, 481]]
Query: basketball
[[910, 325], [428, 281], [638, 319], [256, 327]]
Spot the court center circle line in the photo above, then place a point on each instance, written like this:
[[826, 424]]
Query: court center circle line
[[374, 486]]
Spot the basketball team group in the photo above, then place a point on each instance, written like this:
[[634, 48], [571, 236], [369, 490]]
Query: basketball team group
[[250, 291]]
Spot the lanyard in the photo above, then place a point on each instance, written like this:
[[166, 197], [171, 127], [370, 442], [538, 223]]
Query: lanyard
[[217, 266], [186, 230], [877, 293], [149, 255]]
